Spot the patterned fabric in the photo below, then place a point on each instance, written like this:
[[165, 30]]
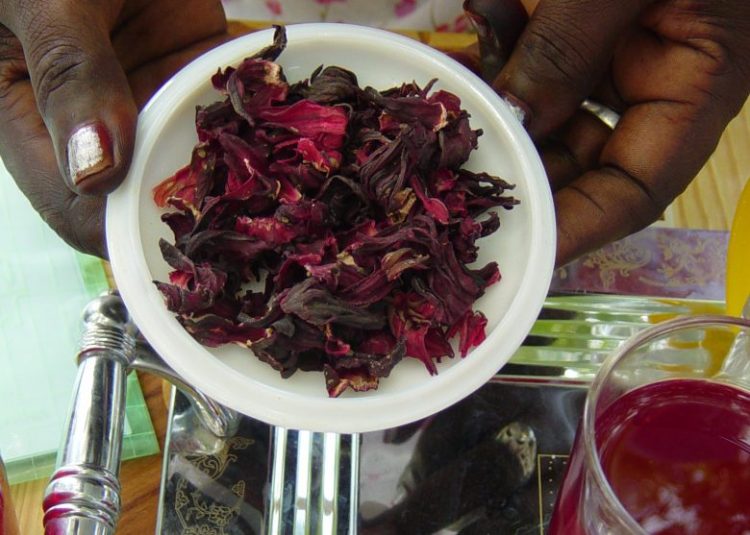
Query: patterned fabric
[[432, 15]]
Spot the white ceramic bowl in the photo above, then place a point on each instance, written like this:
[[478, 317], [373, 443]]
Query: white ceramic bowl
[[524, 246]]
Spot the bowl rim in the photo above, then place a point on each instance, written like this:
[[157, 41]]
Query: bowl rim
[[285, 408]]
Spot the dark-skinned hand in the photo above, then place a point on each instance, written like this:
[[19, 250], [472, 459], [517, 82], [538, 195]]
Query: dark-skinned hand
[[676, 70], [73, 75]]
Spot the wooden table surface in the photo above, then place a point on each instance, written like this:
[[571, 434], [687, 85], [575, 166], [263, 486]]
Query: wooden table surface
[[709, 203]]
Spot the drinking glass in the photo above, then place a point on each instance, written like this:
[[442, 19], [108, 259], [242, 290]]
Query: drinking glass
[[664, 442]]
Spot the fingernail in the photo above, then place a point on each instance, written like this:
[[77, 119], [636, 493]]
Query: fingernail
[[518, 107], [89, 152]]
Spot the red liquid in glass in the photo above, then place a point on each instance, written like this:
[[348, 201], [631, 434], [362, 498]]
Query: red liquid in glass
[[677, 455]]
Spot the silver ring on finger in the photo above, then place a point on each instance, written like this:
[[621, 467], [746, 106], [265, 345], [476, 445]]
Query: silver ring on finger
[[606, 115]]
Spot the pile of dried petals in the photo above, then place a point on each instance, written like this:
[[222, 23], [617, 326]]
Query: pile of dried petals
[[327, 226]]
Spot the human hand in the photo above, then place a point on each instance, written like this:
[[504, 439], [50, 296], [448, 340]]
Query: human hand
[[677, 71], [72, 78]]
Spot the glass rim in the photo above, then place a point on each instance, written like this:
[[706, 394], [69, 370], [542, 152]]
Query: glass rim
[[591, 456]]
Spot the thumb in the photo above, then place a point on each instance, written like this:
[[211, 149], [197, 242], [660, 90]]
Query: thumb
[[81, 90], [561, 57]]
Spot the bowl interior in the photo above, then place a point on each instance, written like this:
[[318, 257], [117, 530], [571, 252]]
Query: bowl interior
[[523, 246]]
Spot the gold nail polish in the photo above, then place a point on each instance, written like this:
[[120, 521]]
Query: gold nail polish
[[89, 152]]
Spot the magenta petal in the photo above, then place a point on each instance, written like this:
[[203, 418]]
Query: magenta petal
[[433, 206], [324, 124], [267, 229], [470, 329]]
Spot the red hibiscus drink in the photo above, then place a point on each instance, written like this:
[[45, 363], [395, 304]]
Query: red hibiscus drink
[[664, 446]]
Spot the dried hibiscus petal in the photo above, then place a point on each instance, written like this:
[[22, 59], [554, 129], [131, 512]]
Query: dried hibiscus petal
[[192, 287], [348, 206]]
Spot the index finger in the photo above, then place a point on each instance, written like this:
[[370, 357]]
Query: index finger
[[561, 57]]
